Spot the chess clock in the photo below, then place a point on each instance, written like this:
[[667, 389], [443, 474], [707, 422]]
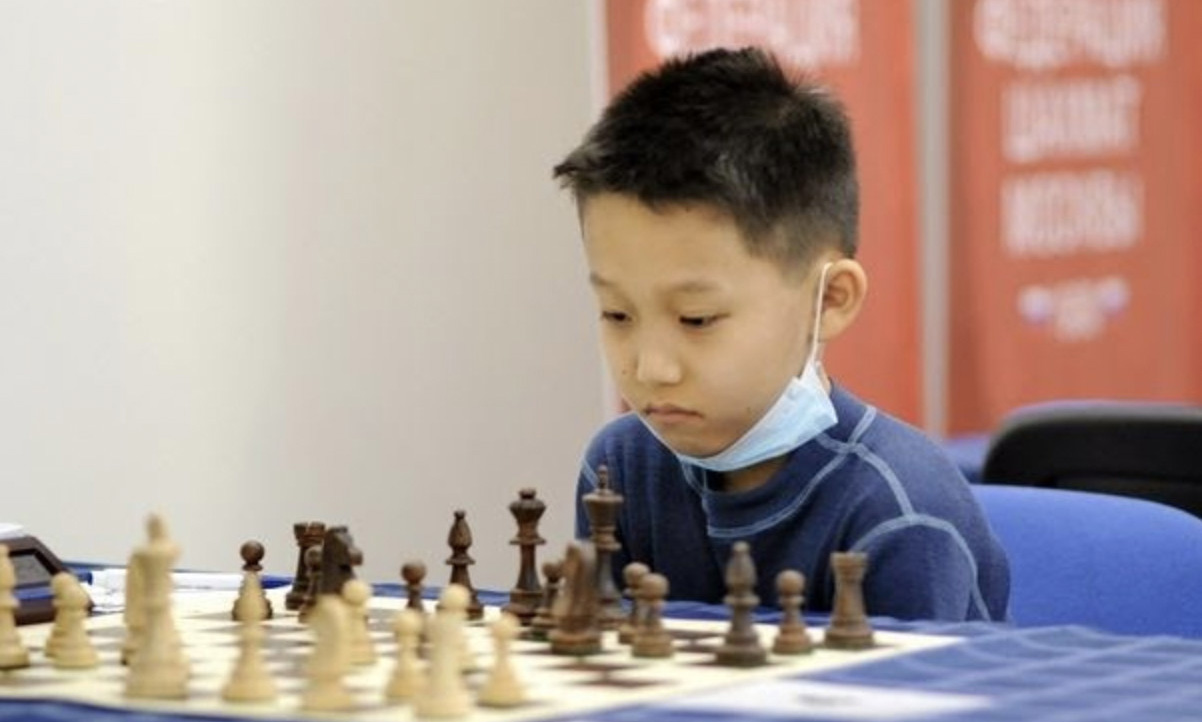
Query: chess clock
[[35, 566]]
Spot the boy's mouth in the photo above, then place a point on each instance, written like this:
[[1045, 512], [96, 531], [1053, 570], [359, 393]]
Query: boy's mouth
[[669, 414]]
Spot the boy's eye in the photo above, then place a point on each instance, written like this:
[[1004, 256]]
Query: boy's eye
[[699, 321], [614, 317]]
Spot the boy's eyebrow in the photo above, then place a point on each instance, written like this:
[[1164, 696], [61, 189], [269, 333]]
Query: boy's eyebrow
[[692, 285]]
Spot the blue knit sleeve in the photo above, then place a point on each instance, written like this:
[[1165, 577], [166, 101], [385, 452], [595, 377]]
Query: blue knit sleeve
[[921, 567]]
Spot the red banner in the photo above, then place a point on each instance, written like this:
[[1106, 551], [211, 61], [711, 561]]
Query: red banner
[[864, 51], [1075, 203]]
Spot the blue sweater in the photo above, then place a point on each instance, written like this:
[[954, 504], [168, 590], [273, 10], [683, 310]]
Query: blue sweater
[[870, 483]]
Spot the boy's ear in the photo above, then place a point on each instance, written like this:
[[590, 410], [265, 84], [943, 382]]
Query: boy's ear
[[846, 287]]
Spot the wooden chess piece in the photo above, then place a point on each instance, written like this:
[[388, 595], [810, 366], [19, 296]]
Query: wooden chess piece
[[58, 585], [339, 557], [849, 627], [73, 649], [633, 575], [250, 681], [741, 645], [356, 593], [467, 656], [406, 680], [792, 636], [503, 688], [243, 605], [651, 639], [414, 573], [526, 593], [313, 556], [445, 693], [134, 612], [576, 630], [544, 619], [13, 653], [308, 534], [460, 540], [158, 670], [329, 662], [602, 506], [252, 556]]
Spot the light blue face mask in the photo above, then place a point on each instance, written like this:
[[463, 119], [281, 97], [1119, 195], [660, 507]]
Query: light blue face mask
[[802, 411]]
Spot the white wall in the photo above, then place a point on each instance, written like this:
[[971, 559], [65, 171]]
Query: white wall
[[270, 261]]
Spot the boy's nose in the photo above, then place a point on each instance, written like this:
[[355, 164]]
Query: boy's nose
[[654, 367]]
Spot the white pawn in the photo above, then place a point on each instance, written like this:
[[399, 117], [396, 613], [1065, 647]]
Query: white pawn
[[57, 585], [330, 660], [134, 612], [445, 695], [250, 681], [13, 654], [503, 689], [356, 593], [73, 649], [406, 680], [467, 658]]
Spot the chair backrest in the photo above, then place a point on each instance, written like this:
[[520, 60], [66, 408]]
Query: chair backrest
[[1109, 562], [1150, 451]]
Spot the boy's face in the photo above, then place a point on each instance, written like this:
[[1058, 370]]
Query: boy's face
[[701, 337]]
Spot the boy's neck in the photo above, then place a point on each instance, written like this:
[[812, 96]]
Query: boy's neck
[[753, 476]]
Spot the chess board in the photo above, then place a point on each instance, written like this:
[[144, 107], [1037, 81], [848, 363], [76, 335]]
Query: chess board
[[558, 688]]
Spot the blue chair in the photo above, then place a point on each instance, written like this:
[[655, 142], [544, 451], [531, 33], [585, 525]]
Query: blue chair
[[1113, 563]]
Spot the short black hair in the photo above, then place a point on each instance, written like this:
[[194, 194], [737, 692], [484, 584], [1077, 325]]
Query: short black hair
[[732, 130]]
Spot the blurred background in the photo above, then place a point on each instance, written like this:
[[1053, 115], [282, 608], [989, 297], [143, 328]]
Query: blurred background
[[275, 261]]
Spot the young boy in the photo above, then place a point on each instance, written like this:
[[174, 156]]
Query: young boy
[[719, 206]]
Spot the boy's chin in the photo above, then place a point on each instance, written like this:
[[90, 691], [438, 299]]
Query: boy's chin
[[691, 447]]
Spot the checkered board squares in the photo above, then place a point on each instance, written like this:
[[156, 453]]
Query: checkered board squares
[[558, 688]]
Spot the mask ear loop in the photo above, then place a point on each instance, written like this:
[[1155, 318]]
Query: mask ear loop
[[814, 344]]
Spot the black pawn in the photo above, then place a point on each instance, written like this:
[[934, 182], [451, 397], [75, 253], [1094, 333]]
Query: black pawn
[[741, 646], [414, 573], [460, 540], [602, 506], [525, 596], [252, 557], [633, 575], [792, 636], [544, 619], [650, 638]]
